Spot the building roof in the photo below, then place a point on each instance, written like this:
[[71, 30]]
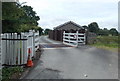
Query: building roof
[[68, 26]]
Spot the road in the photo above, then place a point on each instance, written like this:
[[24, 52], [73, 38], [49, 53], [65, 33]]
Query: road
[[84, 62]]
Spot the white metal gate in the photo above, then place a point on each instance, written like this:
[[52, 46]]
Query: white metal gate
[[74, 39]]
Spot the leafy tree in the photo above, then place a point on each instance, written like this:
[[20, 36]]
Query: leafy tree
[[40, 30], [17, 18], [10, 16], [11, 11], [103, 32], [30, 16], [46, 31], [113, 32], [93, 27], [85, 27]]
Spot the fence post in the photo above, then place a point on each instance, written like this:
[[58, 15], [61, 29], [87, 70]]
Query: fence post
[[34, 43], [63, 36], [69, 37], [15, 50], [84, 38], [77, 38], [0, 53]]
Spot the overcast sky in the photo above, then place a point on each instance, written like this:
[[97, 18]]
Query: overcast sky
[[55, 12]]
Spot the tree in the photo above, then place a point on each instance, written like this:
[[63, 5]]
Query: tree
[[93, 27], [30, 16], [46, 31], [10, 16], [113, 32], [17, 18], [40, 30], [103, 32], [85, 27]]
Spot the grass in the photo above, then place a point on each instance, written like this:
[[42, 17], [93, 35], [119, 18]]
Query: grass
[[107, 42], [112, 48], [7, 72]]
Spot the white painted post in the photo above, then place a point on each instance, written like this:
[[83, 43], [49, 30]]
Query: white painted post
[[77, 38], [63, 36], [7, 49], [19, 55], [2, 51], [34, 43], [15, 49], [22, 47], [69, 37], [84, 38], [12, 49], [25, 50]]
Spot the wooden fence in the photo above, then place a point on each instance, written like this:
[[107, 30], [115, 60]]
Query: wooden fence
[[15, 47], [58, 35], [74, 39]]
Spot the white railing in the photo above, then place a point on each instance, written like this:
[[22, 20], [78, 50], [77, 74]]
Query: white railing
[[15, 47], [74, 39]]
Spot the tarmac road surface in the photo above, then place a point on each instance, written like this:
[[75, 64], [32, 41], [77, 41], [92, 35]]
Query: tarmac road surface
[[84, 62]]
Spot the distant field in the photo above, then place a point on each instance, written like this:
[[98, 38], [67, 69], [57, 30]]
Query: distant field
[[107, 42]]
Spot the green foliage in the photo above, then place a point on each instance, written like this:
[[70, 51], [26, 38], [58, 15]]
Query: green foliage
[[93, 27], [40, 30], [7, 72], [109, 41], [30, 16], [85, 27], [17, 18], [103, 32], [113, 32], [46, 31], [11, 11], [10, 16]]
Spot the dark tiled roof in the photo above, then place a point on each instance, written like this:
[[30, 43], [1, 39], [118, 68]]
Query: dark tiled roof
[[70, 22]]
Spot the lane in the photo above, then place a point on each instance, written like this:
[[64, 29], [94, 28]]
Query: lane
[[84, 62], [76, 63], [51, 44], [45, 40]]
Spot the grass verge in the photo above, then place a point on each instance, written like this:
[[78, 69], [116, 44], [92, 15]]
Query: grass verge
[[11, 73], [107, 42], [113, 49]]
